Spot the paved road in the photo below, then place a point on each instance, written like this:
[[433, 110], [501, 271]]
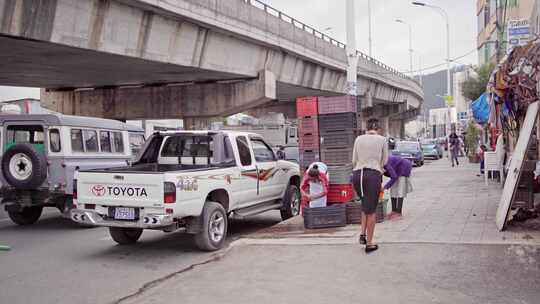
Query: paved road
[[55, 261], [397, 273]]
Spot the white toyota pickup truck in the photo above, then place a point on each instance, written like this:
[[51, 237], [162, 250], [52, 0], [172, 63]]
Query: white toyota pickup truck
[[190, 180]]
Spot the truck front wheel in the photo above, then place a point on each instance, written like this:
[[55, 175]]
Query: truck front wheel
[[125, 236], [213, 227], [26, 216], [291, 203]]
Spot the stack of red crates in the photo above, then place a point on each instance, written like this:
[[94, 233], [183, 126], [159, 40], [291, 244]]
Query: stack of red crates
[[308, 130]]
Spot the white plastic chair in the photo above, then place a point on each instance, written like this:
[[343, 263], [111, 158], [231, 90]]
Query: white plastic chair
[[493, 161]]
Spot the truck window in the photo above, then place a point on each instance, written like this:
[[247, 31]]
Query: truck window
[[105, 141], [263, 153], [118, 142], [90, 140], [54, 140], [243, 150], [136, 141], [187, 146], [77, 140]]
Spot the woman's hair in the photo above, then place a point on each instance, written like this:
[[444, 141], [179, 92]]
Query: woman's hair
[[373, 124], [314, 171]]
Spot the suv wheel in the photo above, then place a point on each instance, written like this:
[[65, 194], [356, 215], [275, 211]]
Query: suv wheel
[[26, 216], [125, 236], [24, 167], [214, 226], [291, 203]]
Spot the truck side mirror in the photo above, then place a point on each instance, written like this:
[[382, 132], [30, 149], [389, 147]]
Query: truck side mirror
[[280, 154]]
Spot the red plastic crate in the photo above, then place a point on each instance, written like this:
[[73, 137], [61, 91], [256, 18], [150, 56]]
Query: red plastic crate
[[306, 107], [309, 141], [308, 126], [338, 104], [340, 193]]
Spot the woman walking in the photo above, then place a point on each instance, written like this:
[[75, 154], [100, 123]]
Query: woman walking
[[370, 154], [399, 171]]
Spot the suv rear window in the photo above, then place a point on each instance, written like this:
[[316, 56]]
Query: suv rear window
[[25, 134]]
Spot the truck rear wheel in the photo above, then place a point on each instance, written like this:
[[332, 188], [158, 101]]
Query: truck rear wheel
[[291, 203], [213, 227], [26, 216], [125, 236]]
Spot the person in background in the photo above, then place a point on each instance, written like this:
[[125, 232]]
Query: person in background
[[370, 154], [454, 147], [314, 187], [481, 151], [399, 171]]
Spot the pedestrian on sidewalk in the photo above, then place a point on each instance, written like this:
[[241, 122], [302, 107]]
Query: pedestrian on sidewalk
[[481, 150], [454, 148], [370, 154], [314, 187], [399, 171]]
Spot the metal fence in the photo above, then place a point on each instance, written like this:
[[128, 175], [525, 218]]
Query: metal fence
[[274, 12]]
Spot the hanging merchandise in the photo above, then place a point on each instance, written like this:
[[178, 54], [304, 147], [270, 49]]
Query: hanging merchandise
[[512, 87], [480, 109]]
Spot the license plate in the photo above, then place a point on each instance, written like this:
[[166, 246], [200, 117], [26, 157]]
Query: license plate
[[124, 213]]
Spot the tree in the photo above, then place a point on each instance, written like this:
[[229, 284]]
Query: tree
[[473, 87]]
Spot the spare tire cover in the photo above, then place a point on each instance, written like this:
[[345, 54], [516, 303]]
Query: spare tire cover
[[24, 167]]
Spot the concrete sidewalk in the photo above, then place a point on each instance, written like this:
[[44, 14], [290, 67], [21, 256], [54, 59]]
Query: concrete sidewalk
[[448, 205]]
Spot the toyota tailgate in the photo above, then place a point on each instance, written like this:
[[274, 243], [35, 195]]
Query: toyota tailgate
[[119, 189]]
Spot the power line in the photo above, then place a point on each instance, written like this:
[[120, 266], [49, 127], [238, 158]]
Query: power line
[[423, 69]]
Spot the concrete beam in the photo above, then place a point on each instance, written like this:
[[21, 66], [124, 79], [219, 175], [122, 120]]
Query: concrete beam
[[187, 101]]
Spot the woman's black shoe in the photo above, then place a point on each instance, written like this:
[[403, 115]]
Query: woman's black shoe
[[362, 240], [371, 248]]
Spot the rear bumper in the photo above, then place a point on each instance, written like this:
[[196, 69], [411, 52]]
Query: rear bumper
[[145, 221]]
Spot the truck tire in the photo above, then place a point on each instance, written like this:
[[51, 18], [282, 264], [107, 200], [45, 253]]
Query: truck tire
[[291, 203], [26, 216], [214, 224], [24, 167], [125, 236]]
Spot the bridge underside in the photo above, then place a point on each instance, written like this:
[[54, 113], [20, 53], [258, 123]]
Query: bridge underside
[[148, 59]]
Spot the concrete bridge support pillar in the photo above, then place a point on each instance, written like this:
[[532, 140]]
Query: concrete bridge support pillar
[[190, 101]]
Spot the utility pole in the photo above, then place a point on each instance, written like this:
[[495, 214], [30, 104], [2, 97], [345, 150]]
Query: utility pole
[[369, 29], [352, 56]]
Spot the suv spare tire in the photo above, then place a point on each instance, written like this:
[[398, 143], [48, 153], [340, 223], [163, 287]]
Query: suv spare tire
[[24, 167]]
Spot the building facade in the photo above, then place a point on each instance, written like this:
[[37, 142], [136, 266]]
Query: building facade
[[461, 103], [534, 20], [494, 17], [438, 121]]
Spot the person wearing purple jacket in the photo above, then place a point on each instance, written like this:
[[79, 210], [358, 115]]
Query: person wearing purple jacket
[[399, 171]]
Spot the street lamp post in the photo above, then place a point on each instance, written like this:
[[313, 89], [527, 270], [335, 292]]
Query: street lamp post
[[352, 56], [369, 28], [410, 45], [443, 13]]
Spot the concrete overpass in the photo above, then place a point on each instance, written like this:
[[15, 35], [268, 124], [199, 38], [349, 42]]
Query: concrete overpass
[[198, 59]]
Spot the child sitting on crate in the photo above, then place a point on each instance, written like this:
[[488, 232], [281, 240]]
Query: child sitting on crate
[[314, 187]]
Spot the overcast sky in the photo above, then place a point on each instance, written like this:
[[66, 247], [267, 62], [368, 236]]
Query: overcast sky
[[390, 39]]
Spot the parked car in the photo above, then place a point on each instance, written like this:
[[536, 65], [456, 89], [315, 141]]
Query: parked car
[[41, 152], [410, 150], [190, 181], [432, 151]]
